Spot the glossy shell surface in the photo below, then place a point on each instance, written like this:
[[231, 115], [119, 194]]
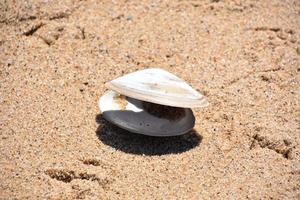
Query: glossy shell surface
[[158, 86]]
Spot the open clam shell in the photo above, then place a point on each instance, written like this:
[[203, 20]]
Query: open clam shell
[[145, 118], [158, 86]]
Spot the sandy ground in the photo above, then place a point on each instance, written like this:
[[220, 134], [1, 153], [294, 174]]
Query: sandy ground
[[55, 57]]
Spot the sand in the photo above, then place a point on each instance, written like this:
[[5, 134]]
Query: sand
[[55, 57]]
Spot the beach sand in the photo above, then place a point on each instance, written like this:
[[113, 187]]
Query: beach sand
[[55, 57]]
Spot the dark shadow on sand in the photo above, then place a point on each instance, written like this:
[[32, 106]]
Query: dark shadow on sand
[[139, 144]]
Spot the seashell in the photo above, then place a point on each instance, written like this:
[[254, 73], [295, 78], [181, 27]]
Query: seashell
[[151, 102], [158, 86]]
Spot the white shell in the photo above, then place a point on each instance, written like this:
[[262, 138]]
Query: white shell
[[158, 86], [132, 117]]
